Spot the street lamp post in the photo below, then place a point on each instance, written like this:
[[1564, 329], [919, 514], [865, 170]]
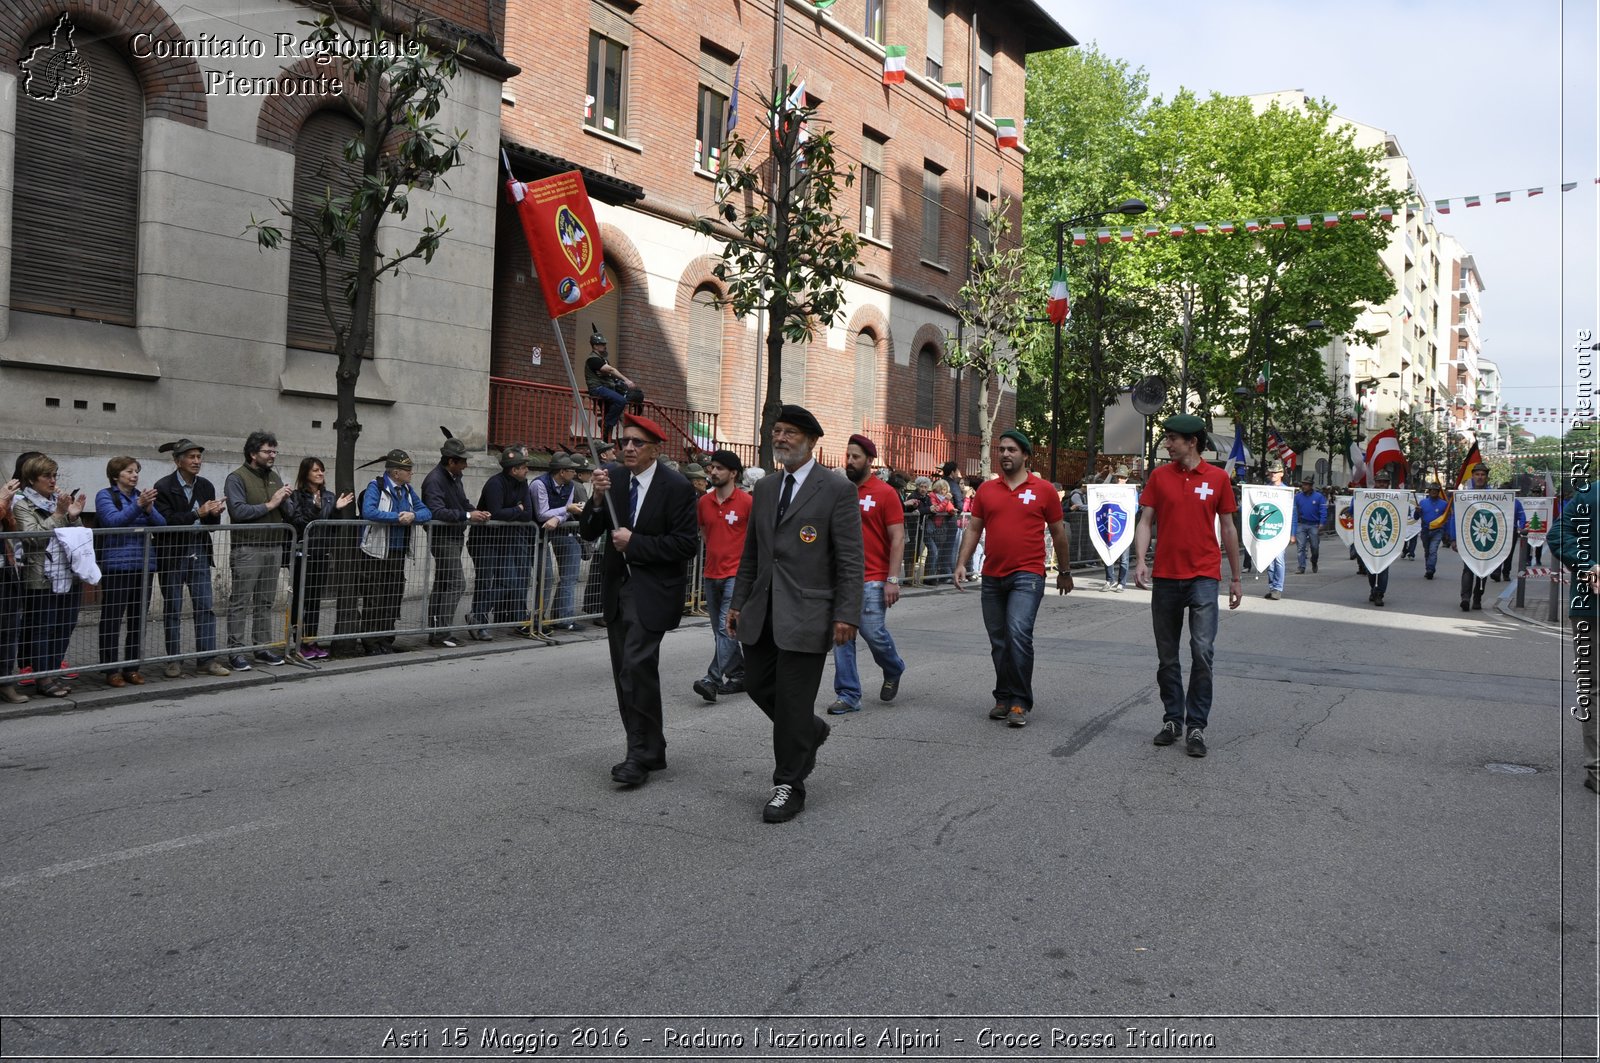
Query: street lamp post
[[1131, 208]]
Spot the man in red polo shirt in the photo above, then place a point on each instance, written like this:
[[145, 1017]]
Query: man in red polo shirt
[[1012, 514], [724, 515], [1186, 498], [883, 540]]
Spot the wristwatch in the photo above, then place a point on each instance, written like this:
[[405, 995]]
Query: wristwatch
[[893, 579]]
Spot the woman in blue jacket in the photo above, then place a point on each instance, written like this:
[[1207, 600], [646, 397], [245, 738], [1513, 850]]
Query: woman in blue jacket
[[126, 562]]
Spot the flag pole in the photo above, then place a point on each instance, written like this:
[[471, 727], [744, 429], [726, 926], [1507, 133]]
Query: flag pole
[[582, 414]]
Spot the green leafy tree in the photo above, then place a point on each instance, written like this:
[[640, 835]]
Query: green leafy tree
[[786, 247], [994, 325], [399, 83]]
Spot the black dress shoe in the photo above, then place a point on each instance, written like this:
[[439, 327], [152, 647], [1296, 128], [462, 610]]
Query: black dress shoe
[[706, 689], [630, 773]]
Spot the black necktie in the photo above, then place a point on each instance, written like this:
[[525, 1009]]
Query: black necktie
[[633, 501], [788, 493]]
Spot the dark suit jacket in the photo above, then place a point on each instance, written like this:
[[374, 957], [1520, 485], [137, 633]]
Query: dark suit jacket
[[665, 539], [809, 569], [178, 513]]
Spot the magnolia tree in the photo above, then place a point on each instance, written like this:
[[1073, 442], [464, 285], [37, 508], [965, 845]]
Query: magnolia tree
[[399, 82]]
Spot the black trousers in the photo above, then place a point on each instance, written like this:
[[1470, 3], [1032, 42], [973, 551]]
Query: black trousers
[[784, 684], [636, 669]]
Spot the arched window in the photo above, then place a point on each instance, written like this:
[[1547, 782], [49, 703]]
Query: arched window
[[927, 369], [866, 389], [705, 351], [75, 242], [319, 166], [793, 386]]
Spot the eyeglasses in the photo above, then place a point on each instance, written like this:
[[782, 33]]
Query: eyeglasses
[[629, 441]]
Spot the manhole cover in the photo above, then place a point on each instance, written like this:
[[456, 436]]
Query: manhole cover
[[1511, 769]]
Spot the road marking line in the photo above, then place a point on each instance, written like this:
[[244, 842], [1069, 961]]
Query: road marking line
[[131, 854]]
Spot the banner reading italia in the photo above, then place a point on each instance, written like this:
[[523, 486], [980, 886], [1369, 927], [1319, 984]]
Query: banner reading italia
[[564, 240], [1379, 519], [1265, 522], [1484, 528], [1539, 512], [1113, 510]]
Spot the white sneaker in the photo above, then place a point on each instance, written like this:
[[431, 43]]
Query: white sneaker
[[1117, 587]]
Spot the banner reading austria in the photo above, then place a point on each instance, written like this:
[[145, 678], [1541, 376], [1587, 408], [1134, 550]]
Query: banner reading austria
[[1483, 528], [1113, 509], [1379, 520], [564, 240], [1265, 522]]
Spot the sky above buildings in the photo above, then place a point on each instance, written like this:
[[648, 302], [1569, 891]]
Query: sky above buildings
[[1482, 97]]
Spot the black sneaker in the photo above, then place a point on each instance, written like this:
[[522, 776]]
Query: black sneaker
[[240, 663], [706, 689], [1169, 733], [1000, 711], [890, 688], [1378, 600], [1017, 717], [787, 802], [1195, 744], [268, 657], [732, 686], [839, 708]]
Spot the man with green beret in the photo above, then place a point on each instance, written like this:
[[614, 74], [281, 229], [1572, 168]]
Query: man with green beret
[[1187, 498]]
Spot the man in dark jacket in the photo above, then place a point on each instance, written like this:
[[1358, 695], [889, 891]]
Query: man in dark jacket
[[185, 499], [258, 547], [501, 550], [645, 570], [1573, 540], [446, 499]]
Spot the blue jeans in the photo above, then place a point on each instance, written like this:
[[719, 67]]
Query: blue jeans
[[1010, 605], [47, 622], [875, 629], [1169, 600], [1430, 546], [567, 553], [727, 659], [1309, 539], [191, 572], [616, 401], [1275, 574], [1117, 571]]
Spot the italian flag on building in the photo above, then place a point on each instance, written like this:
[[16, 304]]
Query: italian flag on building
[[955, 96], [1005, 132], [894, 64], [1058, 309]]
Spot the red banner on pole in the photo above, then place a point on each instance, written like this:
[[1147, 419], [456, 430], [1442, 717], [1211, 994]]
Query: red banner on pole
[[564, 239]]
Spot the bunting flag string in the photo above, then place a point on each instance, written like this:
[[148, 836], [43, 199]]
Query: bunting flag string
[[1443, 206]]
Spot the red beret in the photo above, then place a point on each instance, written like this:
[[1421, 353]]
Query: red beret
[[645, 425], [867, 446]]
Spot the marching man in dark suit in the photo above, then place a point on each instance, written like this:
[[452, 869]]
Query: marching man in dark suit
[[797, 595], [645, 573]]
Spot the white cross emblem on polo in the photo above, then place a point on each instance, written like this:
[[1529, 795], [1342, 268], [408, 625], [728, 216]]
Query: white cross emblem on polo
[[731, 517], [1204, 491], [868, 502], [1027, 496]]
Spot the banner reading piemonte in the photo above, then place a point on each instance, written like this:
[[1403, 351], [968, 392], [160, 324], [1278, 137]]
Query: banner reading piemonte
[[1484, 528], [1113, 511], [1539, 511], [1379, 519], [1264, 522], [564, 240]]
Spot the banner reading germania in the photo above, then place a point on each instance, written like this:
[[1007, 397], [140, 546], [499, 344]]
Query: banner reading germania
[[1484, 528], [1539, 512], [564, 240], [1379, 518], [1264, 519], [1113, 509]]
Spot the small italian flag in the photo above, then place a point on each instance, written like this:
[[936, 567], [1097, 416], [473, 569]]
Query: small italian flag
[[1058, 309], [1568, 186], [1102, 236], [1202, 228], [1251, 225], [1474, 201], [1127, 235], [1261, 381], [1442, 206], [1005, 132], [1175, 231], [1152, 230], [1303, 223], [894, 64], [1330, 219], [1358, 214], [1502, 197], [1226, 228], [1275, 223], [1535, 192], [1386, 214], [955, 96], [1079, 237]]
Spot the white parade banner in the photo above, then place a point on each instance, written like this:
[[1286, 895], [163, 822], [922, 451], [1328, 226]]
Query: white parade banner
[[1540, 512], [1484, 528], [1413, 518], [1265, 522], [1344, 523], [1379, 523], [1113, 511]]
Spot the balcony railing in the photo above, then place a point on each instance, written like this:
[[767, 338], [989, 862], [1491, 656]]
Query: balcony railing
[[543, 417]]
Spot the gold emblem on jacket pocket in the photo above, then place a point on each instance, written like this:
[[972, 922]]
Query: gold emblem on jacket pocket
[[808, 534]]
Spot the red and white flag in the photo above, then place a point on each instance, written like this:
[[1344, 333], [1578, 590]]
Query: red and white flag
[[1383, 450]]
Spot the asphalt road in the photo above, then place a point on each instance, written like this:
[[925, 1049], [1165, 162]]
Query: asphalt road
[[1344, 874]]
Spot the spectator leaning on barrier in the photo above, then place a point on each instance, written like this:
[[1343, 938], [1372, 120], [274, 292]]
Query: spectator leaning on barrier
[[255, 495], [446, 498], [500, 550], [48, 614], [10, 596], [553, 507], [185, 499], [395, 509], [313, 572], [126, 562]]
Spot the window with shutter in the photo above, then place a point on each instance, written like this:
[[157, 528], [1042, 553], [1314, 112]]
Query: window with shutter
[[793, 387], [83, 148], [320, 166], [705, 351], [927, 366], [932, 207], [935, 56], [866, 389]]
